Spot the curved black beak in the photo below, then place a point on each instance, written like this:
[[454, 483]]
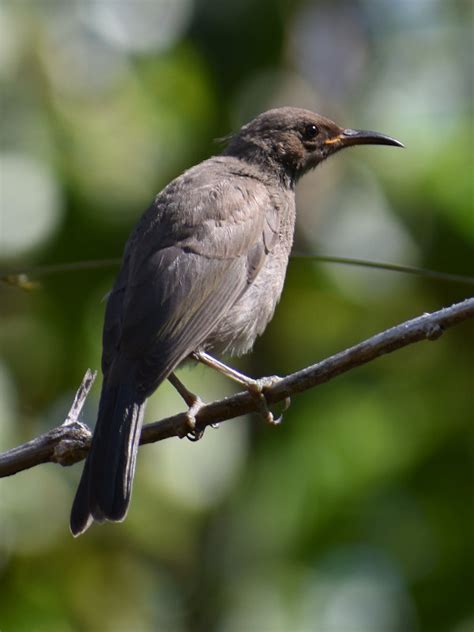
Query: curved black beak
[[349, 137]]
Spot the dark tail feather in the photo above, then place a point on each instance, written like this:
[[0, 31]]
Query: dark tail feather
[[106, 483]]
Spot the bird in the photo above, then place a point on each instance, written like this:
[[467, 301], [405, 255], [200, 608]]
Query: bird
[[201, 275]]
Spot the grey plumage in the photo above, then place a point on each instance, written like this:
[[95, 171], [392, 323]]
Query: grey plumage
[[203, 270]]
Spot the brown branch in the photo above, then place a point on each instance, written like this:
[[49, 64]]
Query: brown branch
[[70, 442], [65, 444]]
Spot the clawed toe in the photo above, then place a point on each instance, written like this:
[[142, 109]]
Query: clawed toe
[[286, 405], [257, 388], [194, 434], [194, 403]]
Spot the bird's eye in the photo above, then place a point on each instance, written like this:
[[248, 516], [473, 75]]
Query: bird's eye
[[310, 131]]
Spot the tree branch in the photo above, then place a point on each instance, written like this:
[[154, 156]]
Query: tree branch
[[70, 442]]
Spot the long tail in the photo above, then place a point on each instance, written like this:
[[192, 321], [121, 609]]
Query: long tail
[[106, 483]]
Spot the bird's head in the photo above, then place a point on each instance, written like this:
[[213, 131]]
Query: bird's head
[[295, 140]]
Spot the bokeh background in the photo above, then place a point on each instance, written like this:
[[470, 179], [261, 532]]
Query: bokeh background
[[356, 514]]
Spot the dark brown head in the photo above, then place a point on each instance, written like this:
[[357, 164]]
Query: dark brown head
[[293, 140]]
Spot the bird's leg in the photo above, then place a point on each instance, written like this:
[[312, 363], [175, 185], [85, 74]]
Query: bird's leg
[[255, 387], [194, 403]]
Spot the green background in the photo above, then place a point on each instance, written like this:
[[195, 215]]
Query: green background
[[355, 515]]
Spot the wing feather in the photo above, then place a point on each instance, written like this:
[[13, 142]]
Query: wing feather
[[191, 257]]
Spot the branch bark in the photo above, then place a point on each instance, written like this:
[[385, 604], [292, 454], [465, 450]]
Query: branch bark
[[69, 442]]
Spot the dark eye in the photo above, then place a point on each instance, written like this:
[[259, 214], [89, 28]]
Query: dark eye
[[310, 131]]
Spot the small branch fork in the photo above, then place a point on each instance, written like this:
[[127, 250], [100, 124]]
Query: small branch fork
[[69, 442]]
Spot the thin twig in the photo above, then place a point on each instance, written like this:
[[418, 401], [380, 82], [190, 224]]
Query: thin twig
[[22, 278], [391, 267], [65, 444], [69, 442]]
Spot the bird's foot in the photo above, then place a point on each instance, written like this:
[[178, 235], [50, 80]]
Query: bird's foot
[[194, 433], [194, 403], [257, 389]]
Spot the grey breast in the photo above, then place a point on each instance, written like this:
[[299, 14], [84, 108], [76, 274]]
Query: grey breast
[[238, 329]]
